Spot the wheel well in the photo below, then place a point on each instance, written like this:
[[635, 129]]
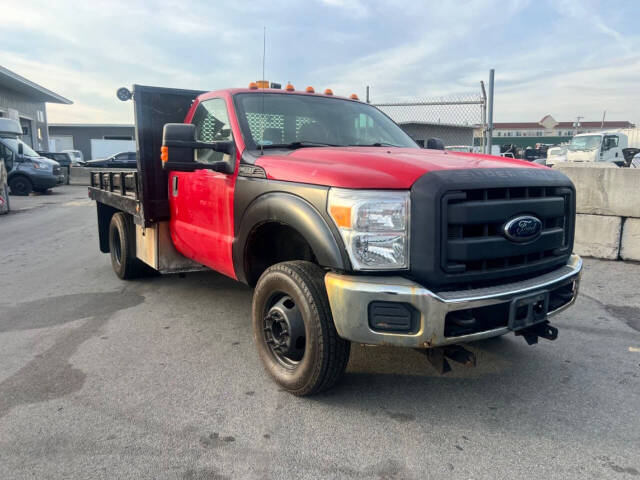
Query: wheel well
[[19, 175], [272, 243]]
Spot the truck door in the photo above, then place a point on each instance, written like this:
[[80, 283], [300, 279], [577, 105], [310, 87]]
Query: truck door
[[201, 202], [610, 151]]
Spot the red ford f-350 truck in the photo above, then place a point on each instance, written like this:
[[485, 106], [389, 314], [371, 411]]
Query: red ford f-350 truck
[[347, 229]]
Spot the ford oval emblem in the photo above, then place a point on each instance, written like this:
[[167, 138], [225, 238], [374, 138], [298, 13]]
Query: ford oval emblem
[[523, 229]]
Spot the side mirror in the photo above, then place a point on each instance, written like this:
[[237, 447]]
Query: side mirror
[[435, 144], [20, 149], [178, 149]]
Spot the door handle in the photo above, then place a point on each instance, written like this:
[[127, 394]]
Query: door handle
[[174, 186]]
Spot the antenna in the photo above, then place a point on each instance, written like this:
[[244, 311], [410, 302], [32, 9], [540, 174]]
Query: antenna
[[264, 52]]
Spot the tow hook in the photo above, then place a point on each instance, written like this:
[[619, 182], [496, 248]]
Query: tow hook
[[543, 330], [439, 356]]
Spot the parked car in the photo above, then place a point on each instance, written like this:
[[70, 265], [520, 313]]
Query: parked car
[[77, 158], [348, 234], [119, 160], [531, 154], [64, 159], [29, 171]]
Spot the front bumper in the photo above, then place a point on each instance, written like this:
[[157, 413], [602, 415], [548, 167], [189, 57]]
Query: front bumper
[[350, 297]]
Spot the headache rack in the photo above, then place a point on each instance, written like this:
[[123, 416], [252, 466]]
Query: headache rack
[[143, 192]]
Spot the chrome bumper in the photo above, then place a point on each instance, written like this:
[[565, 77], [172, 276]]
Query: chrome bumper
[[350, 296]]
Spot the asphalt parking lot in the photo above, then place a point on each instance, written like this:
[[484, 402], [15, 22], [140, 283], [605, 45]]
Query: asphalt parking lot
[[159, 378]]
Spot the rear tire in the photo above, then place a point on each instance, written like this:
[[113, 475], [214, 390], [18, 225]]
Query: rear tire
[[303, 358], [20, 186], [122, 245]]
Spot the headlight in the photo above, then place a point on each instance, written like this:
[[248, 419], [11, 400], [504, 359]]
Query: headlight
[[41, 166], [374, 225]]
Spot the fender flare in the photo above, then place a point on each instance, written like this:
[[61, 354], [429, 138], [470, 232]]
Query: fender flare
[[296, 213]]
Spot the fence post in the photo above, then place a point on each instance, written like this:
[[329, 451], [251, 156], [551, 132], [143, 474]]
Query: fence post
[[490, 129], [483, 126]]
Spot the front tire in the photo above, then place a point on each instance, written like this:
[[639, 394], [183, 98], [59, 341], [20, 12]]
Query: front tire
[[294, 331], [20, 186], [122, 245]]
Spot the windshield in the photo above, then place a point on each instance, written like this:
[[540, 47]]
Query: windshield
[[587, 142], [13, 143], [294, 121]]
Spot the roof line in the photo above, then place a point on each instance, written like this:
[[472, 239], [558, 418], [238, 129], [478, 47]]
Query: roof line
[[35, 86]]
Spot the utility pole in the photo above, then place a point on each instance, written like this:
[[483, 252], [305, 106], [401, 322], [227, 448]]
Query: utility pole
[[577, 123], [490, 113], [604, 114]]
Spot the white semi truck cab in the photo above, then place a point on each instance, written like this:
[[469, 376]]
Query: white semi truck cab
[[597, 147]]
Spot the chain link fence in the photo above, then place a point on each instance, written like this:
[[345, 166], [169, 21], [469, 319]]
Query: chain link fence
[[455, 119]]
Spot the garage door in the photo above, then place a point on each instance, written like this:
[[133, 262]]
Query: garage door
[[58, 143]]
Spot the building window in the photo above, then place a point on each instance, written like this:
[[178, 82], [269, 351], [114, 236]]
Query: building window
[[40, 116], [508, 134], [39, 133], [538, 133], [498, 134]]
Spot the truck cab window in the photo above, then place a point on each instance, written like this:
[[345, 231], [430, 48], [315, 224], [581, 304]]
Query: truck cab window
[[610, 142], [212, 125]]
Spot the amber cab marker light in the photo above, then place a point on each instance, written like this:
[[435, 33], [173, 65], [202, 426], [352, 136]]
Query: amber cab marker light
[[328, 91], [353, 96], [262, 83], [289, 87], [310, 90], [253, 86], [164, 154]]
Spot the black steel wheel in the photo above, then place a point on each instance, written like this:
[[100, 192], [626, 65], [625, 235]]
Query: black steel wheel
[[294, 331], [284, 330], [20, 186]]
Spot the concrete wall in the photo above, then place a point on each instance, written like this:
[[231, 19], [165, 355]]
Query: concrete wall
[[27, 109], [608, 207], [82, 135]]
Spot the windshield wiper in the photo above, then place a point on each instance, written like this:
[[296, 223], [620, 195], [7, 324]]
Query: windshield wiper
[[376, 144], [301, 144]]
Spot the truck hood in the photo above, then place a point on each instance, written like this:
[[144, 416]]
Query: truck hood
[[372, 167]]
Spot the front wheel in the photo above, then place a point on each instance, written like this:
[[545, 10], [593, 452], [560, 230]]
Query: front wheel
[[20, 186], [294, 331]]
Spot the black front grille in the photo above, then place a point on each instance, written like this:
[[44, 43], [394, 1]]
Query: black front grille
[[458, 218], [474, 221], [56, 170]]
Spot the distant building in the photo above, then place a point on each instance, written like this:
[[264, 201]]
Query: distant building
[[26, 102], [546, 131], [449, 134], [93, 140]]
